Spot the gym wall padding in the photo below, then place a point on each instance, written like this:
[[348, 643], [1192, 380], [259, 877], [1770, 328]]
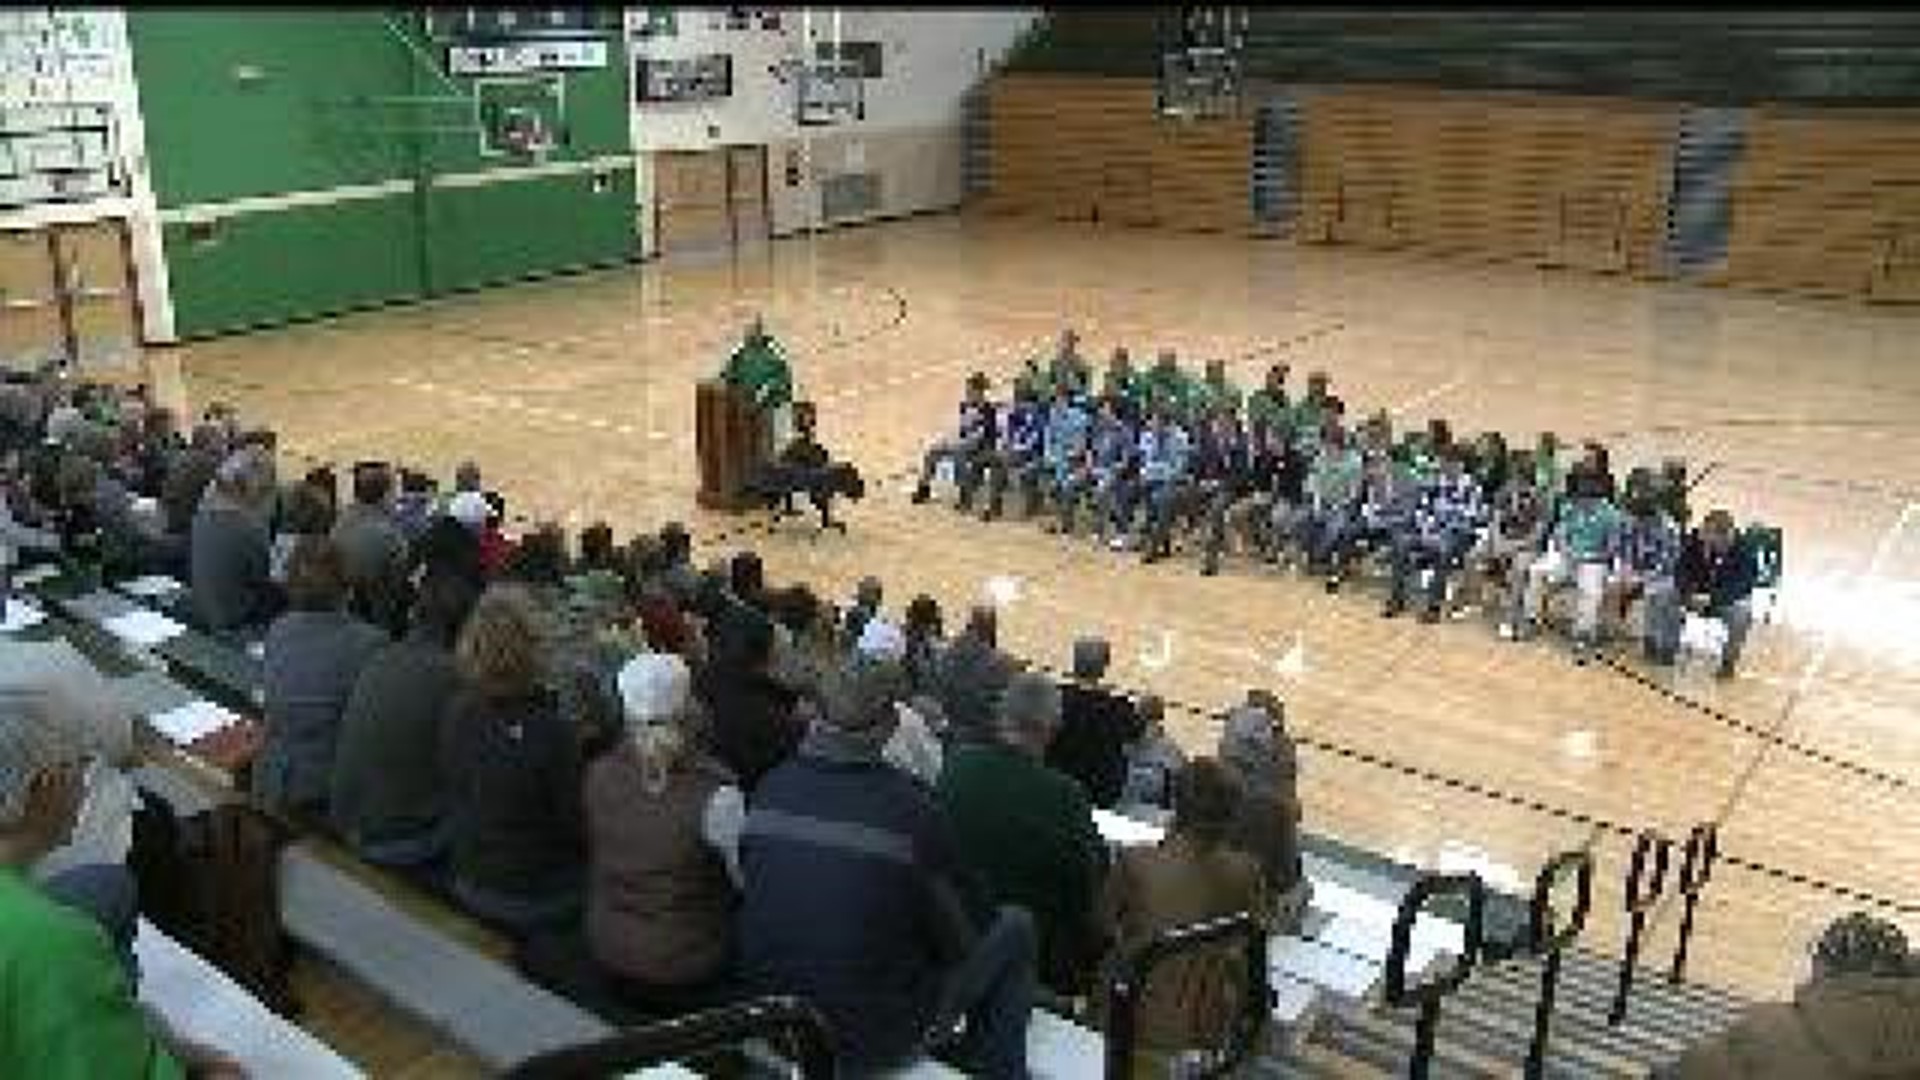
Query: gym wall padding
[[297, 172]]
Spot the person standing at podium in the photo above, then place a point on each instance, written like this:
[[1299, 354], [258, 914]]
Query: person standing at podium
[[759, 366]]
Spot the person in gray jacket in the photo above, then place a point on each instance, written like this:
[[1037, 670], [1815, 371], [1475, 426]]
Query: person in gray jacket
[[373, 549], [314, 654], [971, 675], [231, 553], [388, 797]]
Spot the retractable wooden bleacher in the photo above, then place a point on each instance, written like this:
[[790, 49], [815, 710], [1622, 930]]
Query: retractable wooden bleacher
[[1826, 202], [1085, 148], [1550, 180]]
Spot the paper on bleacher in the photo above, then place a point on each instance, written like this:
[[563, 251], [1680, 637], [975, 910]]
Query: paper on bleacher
[[153, 586], [34, 575], [1125, 831], [189, 723], [20, 615], [143, 629]]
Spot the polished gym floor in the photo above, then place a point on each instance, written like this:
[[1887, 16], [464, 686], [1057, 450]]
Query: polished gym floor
[[1440, 745]]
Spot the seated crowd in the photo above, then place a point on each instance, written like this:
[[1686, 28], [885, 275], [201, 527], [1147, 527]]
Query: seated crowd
[[1147, 456], [698, 784]]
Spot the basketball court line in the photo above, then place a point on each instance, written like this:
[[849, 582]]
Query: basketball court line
[[1599, 824], [1810, 671]]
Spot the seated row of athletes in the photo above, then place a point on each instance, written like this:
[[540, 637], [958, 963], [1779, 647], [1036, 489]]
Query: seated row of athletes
[[1159, 451]]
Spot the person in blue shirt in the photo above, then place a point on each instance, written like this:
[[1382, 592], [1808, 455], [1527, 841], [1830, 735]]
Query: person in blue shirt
[[1110, 451], [966, 449], [1017, 460], [1447, 518], [1164, 453], [1223, 476], [1644, 567], [1064, 452]]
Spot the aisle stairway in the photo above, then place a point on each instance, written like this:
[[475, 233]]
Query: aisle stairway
[[1486, 1026]]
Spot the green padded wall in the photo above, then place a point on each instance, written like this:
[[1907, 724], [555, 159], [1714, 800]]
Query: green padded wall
[[356, 189]]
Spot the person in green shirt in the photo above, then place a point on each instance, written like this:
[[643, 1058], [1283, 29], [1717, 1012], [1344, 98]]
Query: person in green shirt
[[1580, 551], [1027, 832], [1069, 366], [69, 1010], [1549, 475], [1217, 393], [1310, 415], [1333, 491], [1268, 407], [759, 366], [1124, 386], [1166, 385]]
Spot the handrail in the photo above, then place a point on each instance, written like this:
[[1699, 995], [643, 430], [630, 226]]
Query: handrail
[[685, 1036], [1544, 939], [1428, 995], [1696, 869], [1128, 984], [1639, 901]]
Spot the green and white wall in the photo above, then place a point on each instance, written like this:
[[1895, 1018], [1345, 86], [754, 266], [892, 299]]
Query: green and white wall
[[301, 166]]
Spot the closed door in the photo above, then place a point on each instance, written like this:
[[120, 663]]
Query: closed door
[[747, 194], [32, 330], [97, 283], [1896, 269], [1592, 232], [692, 203]]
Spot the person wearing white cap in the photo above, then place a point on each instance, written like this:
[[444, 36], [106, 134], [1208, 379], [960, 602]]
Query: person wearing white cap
[[469, 508], [663, 834], [914, 747]]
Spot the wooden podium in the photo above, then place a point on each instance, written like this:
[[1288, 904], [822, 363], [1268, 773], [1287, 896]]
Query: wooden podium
[[730, 437]]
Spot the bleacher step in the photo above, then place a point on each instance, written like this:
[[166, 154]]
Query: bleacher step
[[480, 1004]]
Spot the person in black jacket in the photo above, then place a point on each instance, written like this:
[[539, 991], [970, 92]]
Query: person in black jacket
[[1716, 577], [753, 721], [1096, 725], [513, 770]]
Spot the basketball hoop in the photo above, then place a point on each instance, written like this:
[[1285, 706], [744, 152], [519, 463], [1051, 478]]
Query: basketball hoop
[[523, 133]]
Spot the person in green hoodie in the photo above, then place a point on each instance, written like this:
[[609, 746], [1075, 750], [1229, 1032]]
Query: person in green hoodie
[[1216, 393], [1069, 366], [760, 367], [1124, 386], [1167, 385], [1269, 407], [1580, 550]]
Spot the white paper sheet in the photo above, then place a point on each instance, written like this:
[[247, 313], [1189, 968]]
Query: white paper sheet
[[143, 629], [191, 722], [1125, 831], [151, 586], [202, 1003], [20, 615]]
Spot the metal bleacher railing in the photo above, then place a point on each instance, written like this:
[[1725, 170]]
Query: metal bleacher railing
[[1646, 883], [811, 1048]]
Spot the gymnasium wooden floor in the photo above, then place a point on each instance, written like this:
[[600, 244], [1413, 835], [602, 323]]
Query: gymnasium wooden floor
[[1441, 745]]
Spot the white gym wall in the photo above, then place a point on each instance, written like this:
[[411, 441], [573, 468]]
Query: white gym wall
[[910, 136]]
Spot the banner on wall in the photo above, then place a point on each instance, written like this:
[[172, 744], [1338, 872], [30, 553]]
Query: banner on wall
[[521, 57]]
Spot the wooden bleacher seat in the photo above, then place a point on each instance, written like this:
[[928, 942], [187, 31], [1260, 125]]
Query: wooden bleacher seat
[[201, 1002], [1085, 148], [477, 1002]]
